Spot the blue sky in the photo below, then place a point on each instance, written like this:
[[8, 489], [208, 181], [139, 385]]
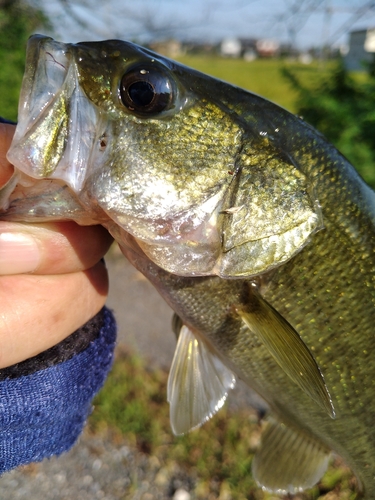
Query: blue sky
[[211, 19]]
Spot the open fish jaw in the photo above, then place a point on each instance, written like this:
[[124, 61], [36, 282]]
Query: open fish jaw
[[58, 126]]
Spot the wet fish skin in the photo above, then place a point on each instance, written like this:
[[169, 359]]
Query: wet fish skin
[[223, 182]]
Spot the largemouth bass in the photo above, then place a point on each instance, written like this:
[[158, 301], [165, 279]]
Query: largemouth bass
[[256, 231]]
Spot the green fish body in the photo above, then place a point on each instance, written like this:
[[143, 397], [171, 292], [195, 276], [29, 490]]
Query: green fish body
[[255, 230]]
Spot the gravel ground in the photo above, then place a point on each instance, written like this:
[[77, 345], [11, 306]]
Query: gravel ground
[[96, 468]]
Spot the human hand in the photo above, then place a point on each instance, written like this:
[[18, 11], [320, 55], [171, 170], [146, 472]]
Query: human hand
[[51, 278]]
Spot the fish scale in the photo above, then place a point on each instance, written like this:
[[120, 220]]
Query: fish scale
[[326, 314]]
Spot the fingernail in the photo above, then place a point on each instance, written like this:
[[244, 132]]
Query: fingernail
[[19, 253]]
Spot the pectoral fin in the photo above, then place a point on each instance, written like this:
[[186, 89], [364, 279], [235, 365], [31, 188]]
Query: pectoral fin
[[287, 348], [198, 383], [288, 460]]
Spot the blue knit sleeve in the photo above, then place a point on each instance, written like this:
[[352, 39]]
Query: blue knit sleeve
[[45, 401], [5, 120]]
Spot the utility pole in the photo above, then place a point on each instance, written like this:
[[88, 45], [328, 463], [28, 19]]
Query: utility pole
[[326, 28]]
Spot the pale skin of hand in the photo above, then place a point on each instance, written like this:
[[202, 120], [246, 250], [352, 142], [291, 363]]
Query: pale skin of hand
[[51, 278]]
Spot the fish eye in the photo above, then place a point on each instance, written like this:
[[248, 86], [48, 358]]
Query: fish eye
[[147, 89]]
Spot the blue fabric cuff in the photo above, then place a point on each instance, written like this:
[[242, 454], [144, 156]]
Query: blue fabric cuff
[[43, 413], [5, 120]]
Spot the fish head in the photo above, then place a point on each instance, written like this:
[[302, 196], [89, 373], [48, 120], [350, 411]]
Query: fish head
[[149, 147]]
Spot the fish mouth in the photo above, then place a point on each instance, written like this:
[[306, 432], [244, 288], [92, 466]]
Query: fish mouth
[[46, 67], [57, 124]]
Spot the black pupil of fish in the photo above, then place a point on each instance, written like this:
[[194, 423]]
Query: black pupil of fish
[[141, 93], [146, 90]]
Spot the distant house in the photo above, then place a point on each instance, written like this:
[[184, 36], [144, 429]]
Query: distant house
[[361, 49], [199, 47], [249, 48], [231, 47], [169, 48], [267, 47]]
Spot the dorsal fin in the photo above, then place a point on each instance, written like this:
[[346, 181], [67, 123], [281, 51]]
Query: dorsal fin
[[289, 460], [198, 383], [287, 348]]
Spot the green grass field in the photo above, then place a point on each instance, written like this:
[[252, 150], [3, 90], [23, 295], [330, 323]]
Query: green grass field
[[261, 76]]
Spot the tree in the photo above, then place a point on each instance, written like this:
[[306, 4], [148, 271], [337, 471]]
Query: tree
[[18, 20], [342, 108]]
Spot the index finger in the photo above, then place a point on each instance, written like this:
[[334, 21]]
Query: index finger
[[50, 247]]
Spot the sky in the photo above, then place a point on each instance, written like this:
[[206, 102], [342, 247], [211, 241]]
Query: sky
[[317, 22]]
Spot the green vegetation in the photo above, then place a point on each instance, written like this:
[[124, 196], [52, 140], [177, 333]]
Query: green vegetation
[[341, 107], [262, 76], [132, 408], [18, 19]]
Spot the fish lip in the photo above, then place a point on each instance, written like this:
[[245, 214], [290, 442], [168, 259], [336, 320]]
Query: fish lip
[[32, 59], [44, 75], [47, 66], [57, 124], [40, 85]]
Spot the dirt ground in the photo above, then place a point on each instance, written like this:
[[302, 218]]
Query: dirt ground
[[143, 318]]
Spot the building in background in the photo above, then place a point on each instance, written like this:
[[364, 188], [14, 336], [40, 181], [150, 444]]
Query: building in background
[[248, 48], [361, 50], [231, 47], [169, 48]]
